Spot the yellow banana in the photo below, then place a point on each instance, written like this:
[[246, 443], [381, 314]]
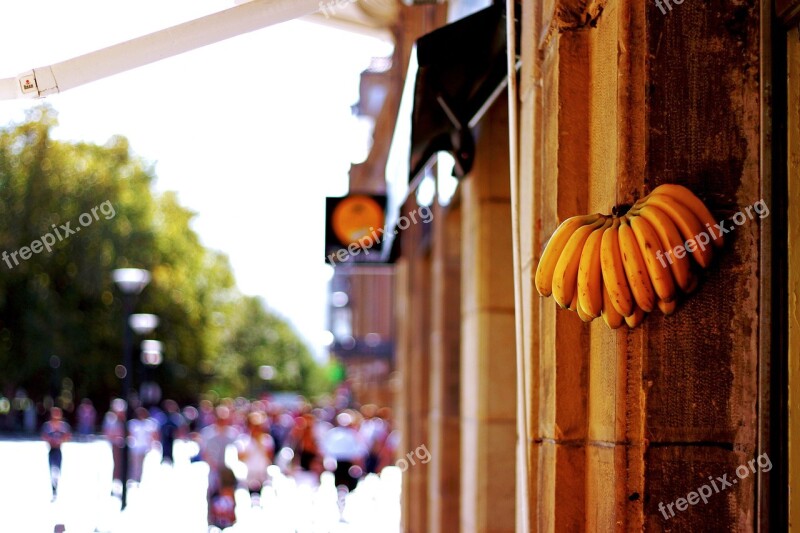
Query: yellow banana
[[622, 267], [688, 198], [573, 305], [579, 309], [635, 267], [552, 251], [667, 307], [590, 276], [613, 271], [636, 318], [565, 274], [650, 246], [689, 226], [670, 239], [611, 316]]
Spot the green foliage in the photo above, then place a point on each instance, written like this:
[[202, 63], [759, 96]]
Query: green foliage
[[255, 338], [64, 303]]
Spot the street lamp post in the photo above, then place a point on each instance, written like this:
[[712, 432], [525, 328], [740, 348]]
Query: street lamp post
[[131, 282], [152, 356], [142, 324]]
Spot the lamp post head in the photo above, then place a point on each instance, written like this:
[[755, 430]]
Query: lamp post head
[[266, 372], [143, 323], [131, 280], [151, 352]]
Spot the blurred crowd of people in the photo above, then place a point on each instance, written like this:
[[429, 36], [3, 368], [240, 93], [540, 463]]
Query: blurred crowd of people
[[300, 439]]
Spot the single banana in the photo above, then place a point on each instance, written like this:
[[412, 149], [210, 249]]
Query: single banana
[[611, 316], [614, 278], [650, 246], [581, 313], [670, 239], [565, 274], [573, 305], [590, 276], [552, 251], [667, 307], [635, 268], [688, 198], [688, 225], [636, 318]]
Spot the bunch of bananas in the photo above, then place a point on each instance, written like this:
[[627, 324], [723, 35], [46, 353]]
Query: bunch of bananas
[[622, 267]]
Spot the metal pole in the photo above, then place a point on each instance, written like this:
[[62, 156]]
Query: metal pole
[[523, 489], [127, 353]]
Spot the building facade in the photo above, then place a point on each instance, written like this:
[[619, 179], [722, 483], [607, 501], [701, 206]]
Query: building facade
[[538, 421]]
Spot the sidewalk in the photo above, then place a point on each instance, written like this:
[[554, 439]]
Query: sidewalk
[[172, 499]]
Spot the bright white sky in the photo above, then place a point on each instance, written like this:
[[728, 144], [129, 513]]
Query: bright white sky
[[255, 164]]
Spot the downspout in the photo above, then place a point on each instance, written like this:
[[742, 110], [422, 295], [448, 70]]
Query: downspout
[[522, 469]]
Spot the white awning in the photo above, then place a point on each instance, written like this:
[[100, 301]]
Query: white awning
[[243, 18]]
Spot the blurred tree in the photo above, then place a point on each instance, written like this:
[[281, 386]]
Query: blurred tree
[[62, 301], [256, 337]]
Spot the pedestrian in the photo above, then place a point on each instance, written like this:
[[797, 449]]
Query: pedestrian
[[389, 441], [214, 440], [29, 418], [143, 432], [306, 444], [55, 432], [257, 452], [344, 444], [373, 431], [280, 425], [205, 416], [173, 427], [87, 418], [222, 504], [114, 431]]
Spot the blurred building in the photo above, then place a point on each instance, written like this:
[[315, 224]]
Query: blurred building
[[362, 303], [361, 296], [361, 316]]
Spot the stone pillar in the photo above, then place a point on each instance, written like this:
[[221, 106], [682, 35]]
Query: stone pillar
[[403, 379], [793, 242], [702, 102], [444, 471], [414, 273], [488, 346], [618, 97]]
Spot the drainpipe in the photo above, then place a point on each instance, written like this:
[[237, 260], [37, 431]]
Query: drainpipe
[[522, 467]]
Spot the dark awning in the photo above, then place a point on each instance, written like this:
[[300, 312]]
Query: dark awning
[[457, 72], [462, 67]]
